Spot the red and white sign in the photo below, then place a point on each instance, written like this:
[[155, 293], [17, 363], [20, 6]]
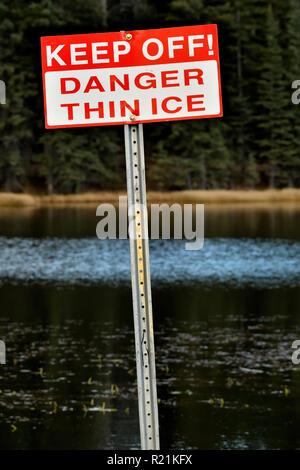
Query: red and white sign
[[133, 76]]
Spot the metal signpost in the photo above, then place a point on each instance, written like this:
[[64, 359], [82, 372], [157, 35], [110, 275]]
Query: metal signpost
[[131, 78], [141, 286]]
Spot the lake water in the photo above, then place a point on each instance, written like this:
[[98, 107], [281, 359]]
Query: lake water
[[224, 317]]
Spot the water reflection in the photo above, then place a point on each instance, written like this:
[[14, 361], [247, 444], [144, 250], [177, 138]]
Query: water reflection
[[224, 327], [242, 220]]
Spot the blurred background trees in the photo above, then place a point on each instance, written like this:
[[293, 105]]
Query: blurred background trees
[[255, 145]]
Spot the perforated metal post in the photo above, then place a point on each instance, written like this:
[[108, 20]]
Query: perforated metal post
[[141, 287]]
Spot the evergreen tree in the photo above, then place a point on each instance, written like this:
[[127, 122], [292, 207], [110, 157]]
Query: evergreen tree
[[290, 163], [271, 118], [256, 144]]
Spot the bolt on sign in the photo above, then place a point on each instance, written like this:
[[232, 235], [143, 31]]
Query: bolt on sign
[[141, 76]]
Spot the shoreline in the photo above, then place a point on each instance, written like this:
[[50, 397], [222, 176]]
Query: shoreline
[[211, 197]]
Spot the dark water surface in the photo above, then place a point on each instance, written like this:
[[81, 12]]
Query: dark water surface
[[224, 317]]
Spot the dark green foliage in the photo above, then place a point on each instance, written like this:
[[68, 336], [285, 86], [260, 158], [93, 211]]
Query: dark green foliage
[[256, 144]]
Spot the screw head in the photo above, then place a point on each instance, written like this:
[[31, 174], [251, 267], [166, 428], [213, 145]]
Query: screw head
[[128, 36], [132, 117]]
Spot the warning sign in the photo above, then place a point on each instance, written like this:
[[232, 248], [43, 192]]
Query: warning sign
[[133, 76]]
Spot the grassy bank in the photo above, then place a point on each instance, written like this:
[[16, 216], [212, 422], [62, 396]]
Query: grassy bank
[[198, 196]]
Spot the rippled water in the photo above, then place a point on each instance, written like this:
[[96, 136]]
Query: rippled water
[[225, 318], [234, 262]]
